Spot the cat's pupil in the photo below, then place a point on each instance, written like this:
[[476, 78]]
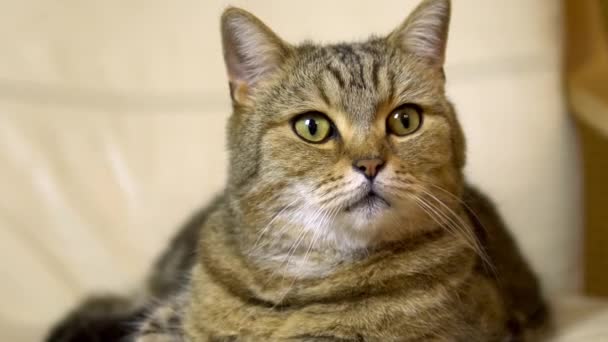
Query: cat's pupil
[[405, 120], [312, 126]]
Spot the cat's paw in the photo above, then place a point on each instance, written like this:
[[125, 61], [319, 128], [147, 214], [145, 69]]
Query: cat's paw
[[97, 319], [158, 338], [163, 324]]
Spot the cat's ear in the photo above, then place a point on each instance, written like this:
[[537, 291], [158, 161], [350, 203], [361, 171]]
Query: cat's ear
[[251, 51], [425, 32]]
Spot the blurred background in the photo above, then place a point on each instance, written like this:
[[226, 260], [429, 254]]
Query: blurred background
[[112, 118]]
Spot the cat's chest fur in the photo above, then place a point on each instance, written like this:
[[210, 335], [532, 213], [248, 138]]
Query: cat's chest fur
[[430, 284]]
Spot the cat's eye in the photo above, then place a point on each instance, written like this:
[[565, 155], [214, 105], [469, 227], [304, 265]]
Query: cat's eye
[[404, 120], [313, 127]]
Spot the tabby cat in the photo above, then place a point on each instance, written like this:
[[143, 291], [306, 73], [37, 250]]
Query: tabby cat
[[346, 216]]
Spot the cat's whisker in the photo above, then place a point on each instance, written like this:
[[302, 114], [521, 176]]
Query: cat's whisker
[[460, 201], [431, 213], [466, 227], [452, 217], [337, 197], [447, 222], [448, 217], [458, 224], [329, 190], [324, 217], [319, 213], [435, 215], [267, 227], [429, 210], [301, 235], [283, 264], [289, 221]]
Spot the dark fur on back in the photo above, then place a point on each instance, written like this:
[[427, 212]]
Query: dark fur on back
[[113, 318]]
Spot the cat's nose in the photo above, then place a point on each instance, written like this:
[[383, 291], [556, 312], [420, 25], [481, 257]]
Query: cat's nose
[[369, 167]]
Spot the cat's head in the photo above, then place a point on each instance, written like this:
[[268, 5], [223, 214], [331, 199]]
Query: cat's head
[[349, 141]]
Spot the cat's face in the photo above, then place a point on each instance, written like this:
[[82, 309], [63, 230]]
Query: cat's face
[[349, 142]]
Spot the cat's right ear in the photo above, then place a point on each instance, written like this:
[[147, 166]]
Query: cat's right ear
[[425, 32], [252, 51]]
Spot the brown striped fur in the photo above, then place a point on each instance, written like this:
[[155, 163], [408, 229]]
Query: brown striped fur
[[282, 256]]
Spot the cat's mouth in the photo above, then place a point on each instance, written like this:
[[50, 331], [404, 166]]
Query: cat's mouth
[[370, 202]]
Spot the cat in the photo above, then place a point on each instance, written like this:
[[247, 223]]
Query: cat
[[346, 215]]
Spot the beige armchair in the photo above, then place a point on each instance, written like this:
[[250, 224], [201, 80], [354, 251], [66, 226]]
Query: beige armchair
[[112, 131]]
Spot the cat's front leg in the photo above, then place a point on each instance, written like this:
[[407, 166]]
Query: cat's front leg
[[157, 338], [163, 324]]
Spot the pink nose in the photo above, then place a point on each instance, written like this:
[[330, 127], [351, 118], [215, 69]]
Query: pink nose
[[369, 167]]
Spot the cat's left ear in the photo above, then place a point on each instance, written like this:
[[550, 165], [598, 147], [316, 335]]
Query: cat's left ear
[[252, 52], [425, 32]]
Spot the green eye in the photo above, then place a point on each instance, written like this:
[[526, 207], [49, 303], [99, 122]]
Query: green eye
[[404, 120], [313, 127]]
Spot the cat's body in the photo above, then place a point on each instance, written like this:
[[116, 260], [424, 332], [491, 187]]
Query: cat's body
[[429, 288], [346, 216]]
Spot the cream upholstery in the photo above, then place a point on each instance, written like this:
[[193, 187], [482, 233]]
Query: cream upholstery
[[112, 131]]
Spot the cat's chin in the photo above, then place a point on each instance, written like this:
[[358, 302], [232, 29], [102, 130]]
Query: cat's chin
[[367, 217], [369, 205], [377, 220]]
